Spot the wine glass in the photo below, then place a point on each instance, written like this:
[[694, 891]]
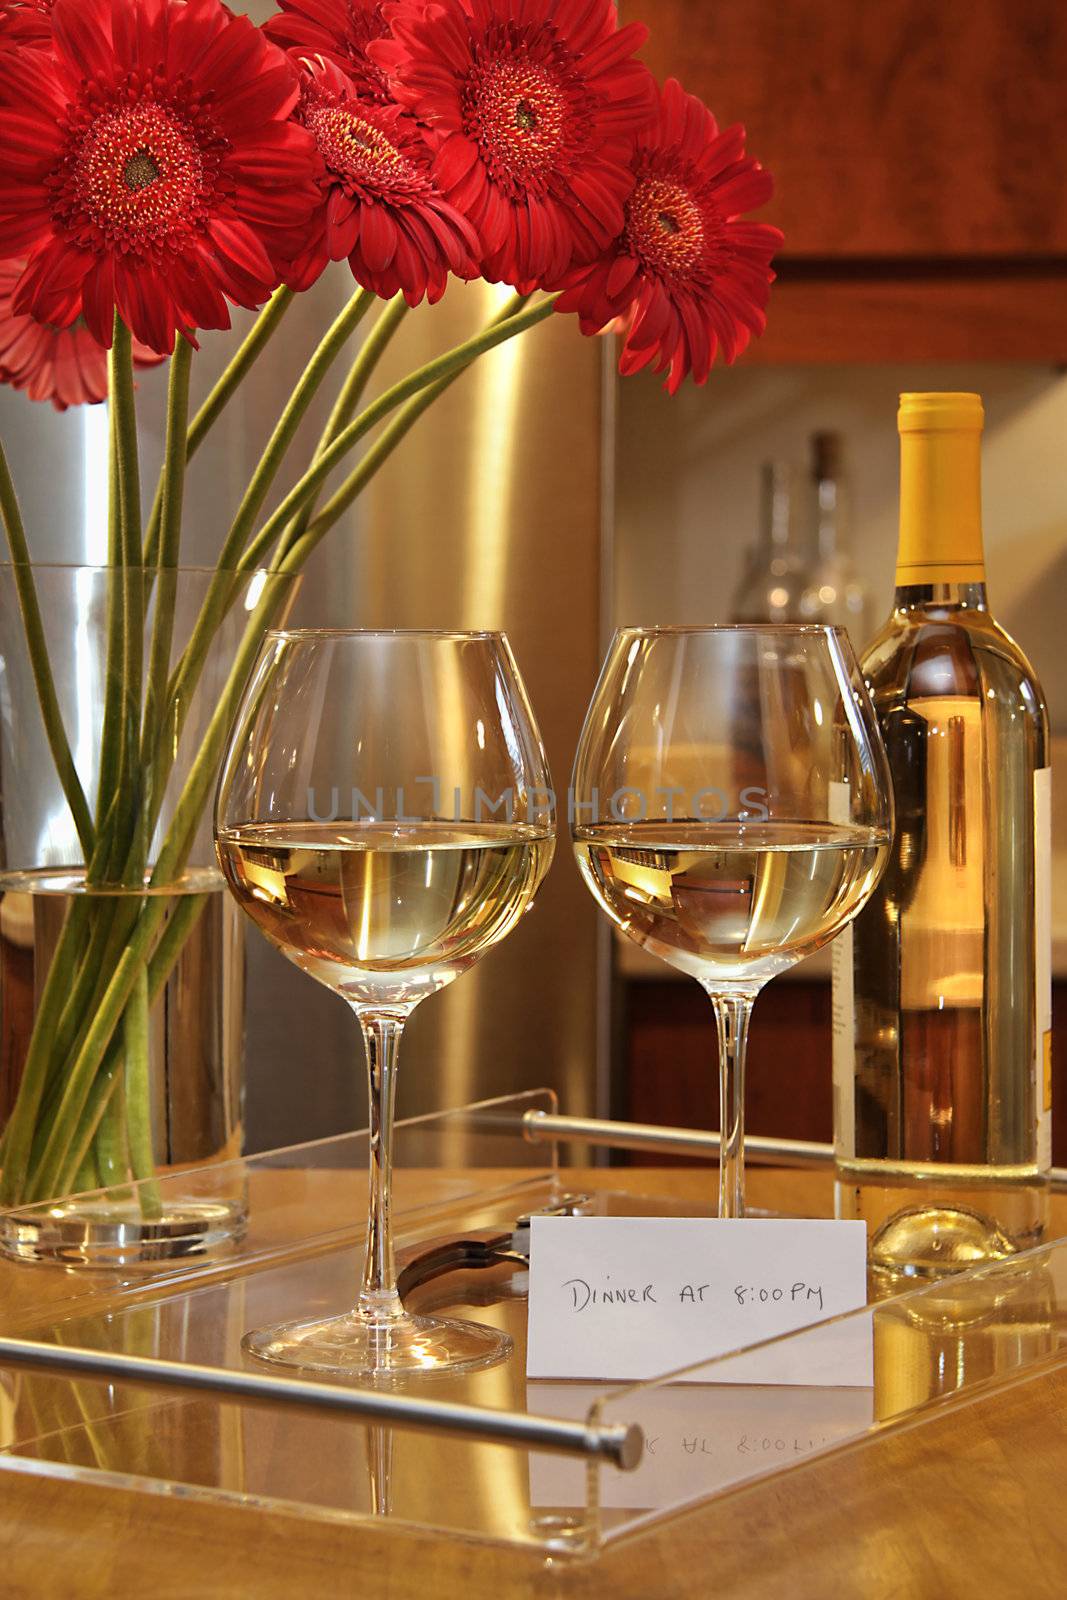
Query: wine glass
[[384, 815], [731, 810]]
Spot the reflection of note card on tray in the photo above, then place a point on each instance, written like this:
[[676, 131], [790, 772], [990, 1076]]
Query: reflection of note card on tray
[[697, 1441], [624, 1298]]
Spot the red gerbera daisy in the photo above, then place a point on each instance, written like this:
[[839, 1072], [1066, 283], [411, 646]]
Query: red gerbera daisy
[[339, 31], [147, 165], [380, 205], [686, 272], [535, 103], [64, 365]]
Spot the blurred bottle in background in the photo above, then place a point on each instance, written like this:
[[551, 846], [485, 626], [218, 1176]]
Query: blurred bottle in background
[[774, 579], [833, 593]]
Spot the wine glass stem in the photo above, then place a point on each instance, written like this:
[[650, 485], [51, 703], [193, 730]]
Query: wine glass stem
[[378, 1297], [731, 1015]]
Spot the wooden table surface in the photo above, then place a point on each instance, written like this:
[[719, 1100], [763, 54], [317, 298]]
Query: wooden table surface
[[970, 1505]]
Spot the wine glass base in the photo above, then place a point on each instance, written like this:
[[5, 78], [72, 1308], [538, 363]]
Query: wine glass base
[[355, 1347]]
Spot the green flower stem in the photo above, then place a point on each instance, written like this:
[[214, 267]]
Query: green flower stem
[[35, 1072], [222, 588], [387, 442], [357, 480], [71, 1128], [450, 364], [138, 1096], [247, 353], [124, 850], [107, 1081], [360, 373], [102, 913], [182, 920], [33, 626], [202, 774], [514, 318], [120, 389], [109, 1146], [292, 415], [118, 851], [82, 1071], [87, 1176], [363, 368], [111, 920], [111, 729], [110, 932], [237, 369], [109, 1076], [172, 481]]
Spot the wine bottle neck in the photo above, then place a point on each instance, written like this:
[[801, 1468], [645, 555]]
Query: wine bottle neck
[[940, 597], [941, 510]]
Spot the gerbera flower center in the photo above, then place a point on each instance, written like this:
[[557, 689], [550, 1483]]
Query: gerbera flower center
[[140, 170], [136, 175], [517, 113], [357, 151], [665, 227]]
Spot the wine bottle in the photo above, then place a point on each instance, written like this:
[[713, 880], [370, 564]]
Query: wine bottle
[[833, 593], [774, 577], [942, 991]]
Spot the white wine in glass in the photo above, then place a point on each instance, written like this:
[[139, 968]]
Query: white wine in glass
[[734, 902], [385, 816], [385, 912], [731, 813]]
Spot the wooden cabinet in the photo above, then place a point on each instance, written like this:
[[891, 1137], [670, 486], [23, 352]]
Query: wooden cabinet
[[670, 1060], [919, 152]]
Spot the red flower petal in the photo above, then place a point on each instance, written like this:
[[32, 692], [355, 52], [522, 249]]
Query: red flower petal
[[81, 37], [65, 365], [339, 31], [98, 300], [377, 237]]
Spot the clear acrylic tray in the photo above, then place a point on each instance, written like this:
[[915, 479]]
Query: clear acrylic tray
[[488, 1455]]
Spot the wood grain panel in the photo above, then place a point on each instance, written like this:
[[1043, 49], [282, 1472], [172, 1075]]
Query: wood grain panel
[[869, 319], [900, 129], [670, 1061]]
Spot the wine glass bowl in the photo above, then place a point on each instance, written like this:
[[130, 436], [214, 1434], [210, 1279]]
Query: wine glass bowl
[[385, 816], [731, 812]]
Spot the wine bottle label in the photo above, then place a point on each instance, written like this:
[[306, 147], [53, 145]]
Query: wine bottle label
[[942, 958], [839, 801], [1043, 961]]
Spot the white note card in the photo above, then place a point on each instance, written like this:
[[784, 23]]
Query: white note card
[[624, 1298]]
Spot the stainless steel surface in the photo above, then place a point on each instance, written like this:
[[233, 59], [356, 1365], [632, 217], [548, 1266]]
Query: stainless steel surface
[[620, 1443]]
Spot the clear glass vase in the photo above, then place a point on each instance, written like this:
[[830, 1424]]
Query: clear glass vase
[[121, 958]]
